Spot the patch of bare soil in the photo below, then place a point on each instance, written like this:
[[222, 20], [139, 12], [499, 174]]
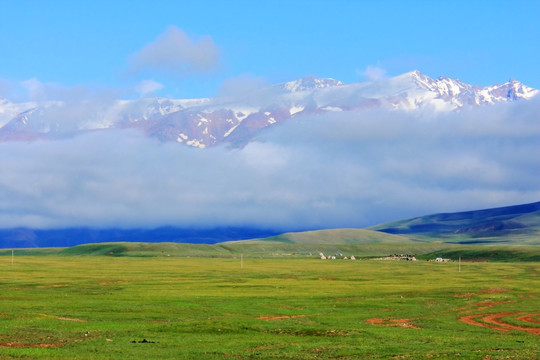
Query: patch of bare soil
[[69, 319], [53, 286], [531, 318], [487, 304], [280, 317], [486, 291], [404, 323], [493, 321], [111, 282], [19, 345]]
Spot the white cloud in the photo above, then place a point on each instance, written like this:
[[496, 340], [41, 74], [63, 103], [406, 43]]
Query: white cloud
[[148, 87], [35, 89], [173, 51], [374, 73]]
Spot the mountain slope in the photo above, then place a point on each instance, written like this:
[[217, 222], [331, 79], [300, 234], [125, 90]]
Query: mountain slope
[[519, 224]]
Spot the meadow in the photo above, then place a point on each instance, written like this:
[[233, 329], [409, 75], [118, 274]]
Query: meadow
[[98, 307]]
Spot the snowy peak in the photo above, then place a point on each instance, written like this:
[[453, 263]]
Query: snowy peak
[[459, 94], [443, 85], [309, 83], [513, 90]]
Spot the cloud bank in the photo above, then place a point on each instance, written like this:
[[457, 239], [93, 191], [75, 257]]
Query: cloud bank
[[350, 169]]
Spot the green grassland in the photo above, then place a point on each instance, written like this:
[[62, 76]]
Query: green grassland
[[276, 249], [140, 307]]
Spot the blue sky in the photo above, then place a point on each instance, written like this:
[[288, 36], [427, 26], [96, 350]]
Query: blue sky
[[95, 43]]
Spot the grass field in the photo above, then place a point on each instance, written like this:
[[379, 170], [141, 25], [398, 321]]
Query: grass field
[[98, 307]]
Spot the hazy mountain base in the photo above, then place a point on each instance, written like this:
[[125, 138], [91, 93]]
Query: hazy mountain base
[[27, 238]]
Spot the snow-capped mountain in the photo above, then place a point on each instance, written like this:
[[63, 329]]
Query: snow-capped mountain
[[205, 122], [9, 110]]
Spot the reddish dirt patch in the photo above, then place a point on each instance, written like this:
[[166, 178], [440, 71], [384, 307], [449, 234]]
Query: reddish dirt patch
[[52, 286], [280, 317], [531, 318], [493, 321], [111, 282], [486, 291], [487, 304], [18, 345], [496, 291], [405, 323], [69, 319]]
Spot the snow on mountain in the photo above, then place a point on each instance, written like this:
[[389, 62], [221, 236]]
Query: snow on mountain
[[205, 122], [461, 94], [309, 83], [9, 110]]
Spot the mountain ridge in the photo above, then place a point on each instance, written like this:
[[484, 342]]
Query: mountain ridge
[[213, 121]]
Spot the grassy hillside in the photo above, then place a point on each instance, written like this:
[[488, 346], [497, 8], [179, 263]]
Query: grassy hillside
[[247, 248], [269, 249], [338, 236], [518, 224], [509, 253]]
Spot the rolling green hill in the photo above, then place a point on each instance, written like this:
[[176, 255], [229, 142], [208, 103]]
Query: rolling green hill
[[338, 236]]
